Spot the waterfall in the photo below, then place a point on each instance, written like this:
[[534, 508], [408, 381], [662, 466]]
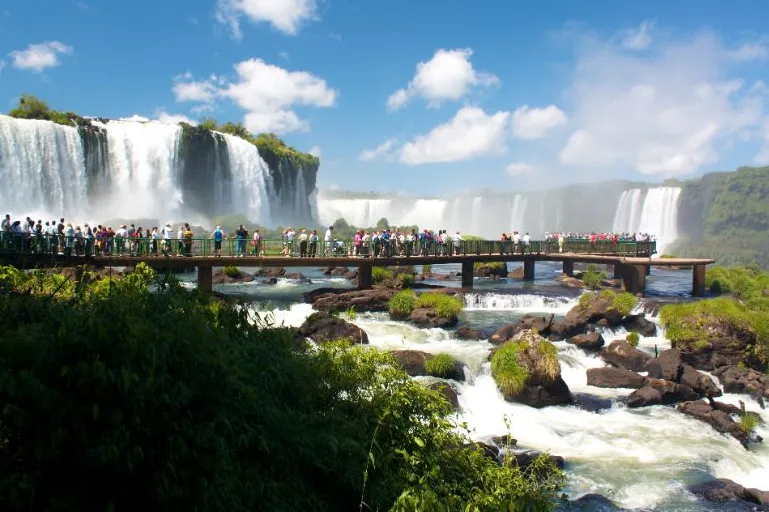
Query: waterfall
[[247, 183], [42, 165], [659, 216], [358, 212], [626, 218], [477, 221], [428, 214], [518, 211], [143, 178]]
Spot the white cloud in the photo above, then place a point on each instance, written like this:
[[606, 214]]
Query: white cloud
[[135, 118], [381, 151], [748, 51], [284, 15], [166, 118], [660, 115], [39, 56], [315, 151], [268, 92], [640, 38], [449, 75], [187, 89], [518, 168], [469, 134], [534, 123]]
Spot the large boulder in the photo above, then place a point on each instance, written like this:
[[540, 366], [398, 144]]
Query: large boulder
[[466, 333], [270, 272], [525, 458], [716, 415], [699, 382], [321, 327], [660, 392], [622, 354], [335, 271], [727, 343], [220, 277], [429, 317], [723, 489], [590, 342], [639, 323], [667, 365], [413, 363], [614, 378], [448, 392], [492, 270], [599, 310], [743, 380], [527, 371], [362, 300], [538, 323]]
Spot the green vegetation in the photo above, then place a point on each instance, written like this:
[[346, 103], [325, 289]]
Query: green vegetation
[[445, 305], [492, 266], [116, 398], [726, 216], [351, 313], [402, 303], [748, 422], [427, 269], [508, 373], [440, 365], [750, 285], [592, 277], [623, 303], [31, 107], [406, 280], [633, 338], [231, 271], [381, 274], [586, 300]]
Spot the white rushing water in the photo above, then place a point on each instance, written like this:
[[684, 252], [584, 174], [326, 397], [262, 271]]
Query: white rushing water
[[639, 458], [42, 166], [657, 214], [248, 182]]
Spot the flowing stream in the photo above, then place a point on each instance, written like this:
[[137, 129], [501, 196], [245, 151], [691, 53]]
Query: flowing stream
[[639, 458]]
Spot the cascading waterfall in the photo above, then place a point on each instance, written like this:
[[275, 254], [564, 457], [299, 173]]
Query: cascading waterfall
[[656, 215], [627, 216], [42, 166], [248, 180], [358, 212], [517, 215]]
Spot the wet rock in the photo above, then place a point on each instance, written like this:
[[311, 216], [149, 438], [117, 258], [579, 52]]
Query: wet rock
[[525, 458], [591, 341], [570, 282], [699, 382], [639, 324], [614, 378], [272, 280], [599, 310], [335, 271], [667, 365], [622, 354], [351, 275], [466, 333], [540, 324], [505, 440], [413, 363], [591, 403], [651, 307], [667, 393], [591, 503], [295, 275], [723, 489], [492, 270], [489, 450], [270, 272], [516, 273], [643, 397], [321, 327], [429, 317], [362, 300], [448, 392], [546, 394], [727, 344], [220, 277], [743, 380]]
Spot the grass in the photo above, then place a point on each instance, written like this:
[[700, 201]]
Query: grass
[[445, 305], [507, 370], [592, 277], [351, 314], [440, 365], [402, 303], [406, 280], [231, 271], [748, 422], [427, 269], [633, 338], [624, 303], [586, 300], [508, 373], [380, 274], [492, 266]]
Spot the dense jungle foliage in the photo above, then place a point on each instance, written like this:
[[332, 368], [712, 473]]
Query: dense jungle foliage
[[134, 394]]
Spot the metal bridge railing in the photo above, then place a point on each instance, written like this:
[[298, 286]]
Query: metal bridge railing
[[11, 244]]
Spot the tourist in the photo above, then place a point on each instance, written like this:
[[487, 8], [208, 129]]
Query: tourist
[[217, 236], [257, 239], [303, 239], [290, 235], [167, 232], [242, 236], [313, 243], [329, 239], [188, 235]]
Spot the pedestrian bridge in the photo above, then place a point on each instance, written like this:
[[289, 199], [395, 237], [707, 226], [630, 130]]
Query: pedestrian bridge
[[631, 260]]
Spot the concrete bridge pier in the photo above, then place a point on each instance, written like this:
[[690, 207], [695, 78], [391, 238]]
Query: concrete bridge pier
[[698, 280], [364, 276], [618, 270], [467, 274], [633, 278], [568, 268], [205, 278], [528, 269]]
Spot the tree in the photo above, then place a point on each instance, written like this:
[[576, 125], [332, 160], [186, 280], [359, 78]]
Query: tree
[[236, 129], [31, 107], [208, 123], [341, 224], [382, 223]]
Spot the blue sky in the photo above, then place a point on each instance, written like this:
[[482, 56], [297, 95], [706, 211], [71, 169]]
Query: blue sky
[[421, 96]]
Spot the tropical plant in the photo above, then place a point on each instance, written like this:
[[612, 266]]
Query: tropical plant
[[402, 303], [440, 365], [444, 304], [231, 271], [633, 338]]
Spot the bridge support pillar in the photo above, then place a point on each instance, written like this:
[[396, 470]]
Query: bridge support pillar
[[568, 268], [698, 280], [528, 269], [648, 270], [364, 277], [618, 270], [634, 278], [467, 274], [205, 278]]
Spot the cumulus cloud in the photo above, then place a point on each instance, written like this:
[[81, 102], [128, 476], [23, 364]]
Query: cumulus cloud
[[449, 75], [534, 123], [285, 15], [748, 51], [518, 168], [469, 134], [661, 114], [166, 118], [640, 38], [381, 151], [39, 56], [187, 89]]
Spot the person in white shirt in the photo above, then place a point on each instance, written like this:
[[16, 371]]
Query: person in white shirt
[[303, 244], [257, 238], [167, 233], [329, 239], [526, 239], [457, 242]]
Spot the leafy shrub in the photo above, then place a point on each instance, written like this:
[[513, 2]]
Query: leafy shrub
[[231, 271], [624, 303], [380, 274], [633, 338], [440, 365], [508, 373], [749, 284], [402, 303], [406, 280], [748, 422], [445, 305], [592, 277], [586, 300], [427, 269], [491, 266], [175, 400]]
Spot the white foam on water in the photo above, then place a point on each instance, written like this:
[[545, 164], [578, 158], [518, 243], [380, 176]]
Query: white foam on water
[[524, 303]]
